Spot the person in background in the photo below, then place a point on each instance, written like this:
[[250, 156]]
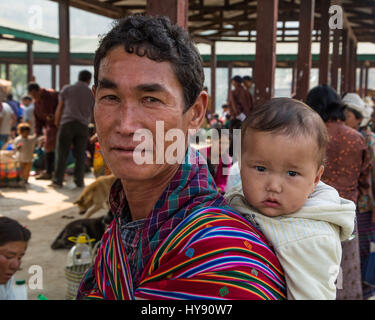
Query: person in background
[[347, 169], [16, 107], [239, 102], [7, 119], [73, 115], [249, 85], [358, 115], [28, 113], [209, 111], [13, 244], [45, 102], [224, 113], [25, 146]]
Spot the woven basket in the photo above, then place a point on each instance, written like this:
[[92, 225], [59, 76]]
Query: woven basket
[[74, 275]]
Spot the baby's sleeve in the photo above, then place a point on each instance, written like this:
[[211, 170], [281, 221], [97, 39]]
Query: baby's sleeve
[[311, 267]]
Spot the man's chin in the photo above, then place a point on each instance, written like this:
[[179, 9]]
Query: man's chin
[[134, 171]]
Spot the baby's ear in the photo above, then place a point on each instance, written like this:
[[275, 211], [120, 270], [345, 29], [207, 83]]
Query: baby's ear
[[319, 174]]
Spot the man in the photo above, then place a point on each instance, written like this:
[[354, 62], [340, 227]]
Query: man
[[73, 115], [170, 223], [45, 102], [249, 86], [239, 101]]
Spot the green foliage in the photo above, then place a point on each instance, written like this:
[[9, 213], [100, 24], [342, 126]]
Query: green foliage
[[18, 76]]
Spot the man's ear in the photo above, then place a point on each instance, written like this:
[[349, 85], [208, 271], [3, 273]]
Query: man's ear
[[198, 110]]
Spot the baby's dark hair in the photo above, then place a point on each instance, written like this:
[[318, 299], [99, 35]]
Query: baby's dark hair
[[290, 117], [11, 231], [23, 126]]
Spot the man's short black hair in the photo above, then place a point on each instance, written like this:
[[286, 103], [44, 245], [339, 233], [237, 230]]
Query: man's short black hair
[[159, 40], [33, 86], [248, 78], [237, 79], [85, 76]]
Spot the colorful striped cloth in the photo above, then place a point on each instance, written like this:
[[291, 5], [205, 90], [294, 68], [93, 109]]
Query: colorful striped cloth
[[191, 188], [212, 254]]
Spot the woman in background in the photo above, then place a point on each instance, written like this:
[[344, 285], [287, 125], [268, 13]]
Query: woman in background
[[347, 169], [13, 245]]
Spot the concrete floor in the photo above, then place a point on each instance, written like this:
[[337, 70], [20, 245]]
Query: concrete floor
[[41, 209]]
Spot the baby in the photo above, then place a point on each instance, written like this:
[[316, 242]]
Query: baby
[[25, 146], [282, 160]]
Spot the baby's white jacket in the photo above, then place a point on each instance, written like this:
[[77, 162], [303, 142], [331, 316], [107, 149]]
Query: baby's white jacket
[[307, 242]]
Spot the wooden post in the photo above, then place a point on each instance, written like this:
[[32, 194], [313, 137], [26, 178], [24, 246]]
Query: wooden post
[[324, 42], [30, 61], [355, 67], [230, 72], [7, 71], [361, 91], [294, 79], [306, 25], [176, 10], [366, 81], [53, 75], [64, 43], [265, 57], [335, 58], [345, 56], [213, 78]]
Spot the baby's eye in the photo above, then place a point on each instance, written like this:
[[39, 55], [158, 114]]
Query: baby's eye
[[292, 173], [260, 168]]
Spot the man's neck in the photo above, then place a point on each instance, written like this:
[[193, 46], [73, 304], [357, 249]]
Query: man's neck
[[142, 195]]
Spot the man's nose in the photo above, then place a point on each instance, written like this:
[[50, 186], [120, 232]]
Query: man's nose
[[128, 120]]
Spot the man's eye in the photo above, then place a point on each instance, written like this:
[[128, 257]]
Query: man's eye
[[260, 168], [150, 100], [292, 173], [109, 97]]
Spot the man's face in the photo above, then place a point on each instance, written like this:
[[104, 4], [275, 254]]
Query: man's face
[[278, 172], [248, 83], [34, 94], [133, 93]]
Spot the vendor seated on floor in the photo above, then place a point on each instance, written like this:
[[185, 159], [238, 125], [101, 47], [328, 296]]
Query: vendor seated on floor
[[13, 245]]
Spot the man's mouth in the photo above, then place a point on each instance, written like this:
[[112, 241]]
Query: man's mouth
[[123, 148]]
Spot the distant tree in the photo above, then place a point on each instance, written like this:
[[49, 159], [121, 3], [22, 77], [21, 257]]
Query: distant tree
[[18, 76]]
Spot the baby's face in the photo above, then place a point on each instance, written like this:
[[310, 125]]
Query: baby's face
[[278, 172], [24, 134]]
